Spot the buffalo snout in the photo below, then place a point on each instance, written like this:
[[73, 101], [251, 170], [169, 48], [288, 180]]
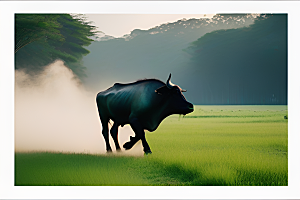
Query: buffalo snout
[[191, 107]]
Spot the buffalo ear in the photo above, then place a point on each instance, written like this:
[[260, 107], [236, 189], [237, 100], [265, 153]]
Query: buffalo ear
[[163, 90]]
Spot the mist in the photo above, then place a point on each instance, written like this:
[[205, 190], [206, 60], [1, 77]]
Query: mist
[[54, 112]]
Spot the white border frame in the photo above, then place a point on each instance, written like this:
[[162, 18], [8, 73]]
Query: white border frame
[[9, 191]]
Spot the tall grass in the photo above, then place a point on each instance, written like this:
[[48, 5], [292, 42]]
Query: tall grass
[[226, 145], [215, 145]]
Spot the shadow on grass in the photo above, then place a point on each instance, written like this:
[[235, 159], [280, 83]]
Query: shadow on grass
[[79, 169], [175, 175]]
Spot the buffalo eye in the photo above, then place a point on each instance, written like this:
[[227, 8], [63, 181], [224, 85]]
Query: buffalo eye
[[176, 90], [163, 90]]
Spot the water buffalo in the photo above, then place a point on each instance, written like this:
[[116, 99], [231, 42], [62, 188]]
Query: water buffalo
[[142, 104]]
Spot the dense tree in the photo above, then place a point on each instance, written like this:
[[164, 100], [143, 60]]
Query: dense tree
[[43, 38], [242, 66], [30, 28]]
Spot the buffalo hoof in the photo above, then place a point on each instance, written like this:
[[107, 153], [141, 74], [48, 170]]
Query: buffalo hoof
[[148, 152], [109, 151], [128, 145], [131, 143]]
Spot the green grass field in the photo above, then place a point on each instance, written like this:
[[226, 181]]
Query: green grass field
[[214, 145]]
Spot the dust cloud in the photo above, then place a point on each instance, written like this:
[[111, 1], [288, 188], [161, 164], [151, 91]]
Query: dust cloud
[[53, 112]]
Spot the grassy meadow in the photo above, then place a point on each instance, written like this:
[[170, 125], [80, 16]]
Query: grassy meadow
[[214, 145]]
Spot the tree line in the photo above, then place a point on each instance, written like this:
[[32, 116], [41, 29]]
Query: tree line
[[242, 66]]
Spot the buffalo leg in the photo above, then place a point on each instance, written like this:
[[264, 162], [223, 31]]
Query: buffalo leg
[[104, 121], [105, 135], [140, 134], [114, 135]]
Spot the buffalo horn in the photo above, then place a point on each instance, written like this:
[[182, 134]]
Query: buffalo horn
[[169, 84], [183, 90]]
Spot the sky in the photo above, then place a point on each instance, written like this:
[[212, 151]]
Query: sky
[[118, 25]]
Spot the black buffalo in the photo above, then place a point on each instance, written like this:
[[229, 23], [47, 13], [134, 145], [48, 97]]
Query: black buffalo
[[143, 105]]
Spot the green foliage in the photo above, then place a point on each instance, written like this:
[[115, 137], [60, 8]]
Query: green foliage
[[43, 38], [214, 145], [30, 28]]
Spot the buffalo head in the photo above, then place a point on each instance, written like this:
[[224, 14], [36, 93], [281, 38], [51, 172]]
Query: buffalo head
[[175, 99]]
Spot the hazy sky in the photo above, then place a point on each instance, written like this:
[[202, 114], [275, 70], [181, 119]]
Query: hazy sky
[[117, 25]]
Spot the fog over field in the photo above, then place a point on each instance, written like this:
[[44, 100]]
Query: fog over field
[[53, 112]]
